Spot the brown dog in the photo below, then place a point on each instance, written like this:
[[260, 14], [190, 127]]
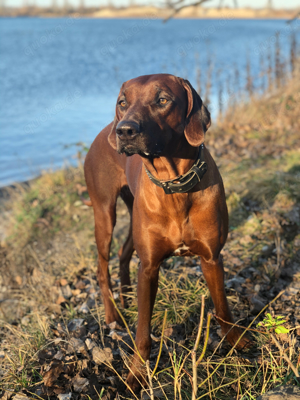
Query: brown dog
[[160, 121]]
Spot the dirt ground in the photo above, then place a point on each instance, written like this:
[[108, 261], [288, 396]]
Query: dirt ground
[[54, 342]]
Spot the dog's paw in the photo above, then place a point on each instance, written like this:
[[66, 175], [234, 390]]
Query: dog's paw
[[135, 381], [113, 317], [235, 339]]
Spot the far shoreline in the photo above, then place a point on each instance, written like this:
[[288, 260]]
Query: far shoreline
[[151, 12]]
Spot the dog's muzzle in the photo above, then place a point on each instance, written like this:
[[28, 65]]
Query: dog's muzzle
[[127, 130]]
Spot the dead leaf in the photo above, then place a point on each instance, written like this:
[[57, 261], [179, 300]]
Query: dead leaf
[[60, 300], [19, 280], [52, 375], [102, 355], [79, 383], [63, 282]]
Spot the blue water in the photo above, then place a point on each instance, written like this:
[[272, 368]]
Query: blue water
[[59, 78]]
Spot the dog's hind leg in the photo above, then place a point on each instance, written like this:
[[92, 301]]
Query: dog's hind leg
[[126, 251], [105, 219]]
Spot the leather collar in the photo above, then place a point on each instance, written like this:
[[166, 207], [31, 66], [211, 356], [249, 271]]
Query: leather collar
[[183, 183]]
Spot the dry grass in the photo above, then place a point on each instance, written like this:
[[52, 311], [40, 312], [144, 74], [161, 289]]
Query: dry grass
[[50, 243]]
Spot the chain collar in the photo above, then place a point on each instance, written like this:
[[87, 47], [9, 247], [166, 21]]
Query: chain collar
[[183, 183]]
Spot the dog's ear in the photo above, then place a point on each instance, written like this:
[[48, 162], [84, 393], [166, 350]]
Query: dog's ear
[[112, 137], [197, 117]]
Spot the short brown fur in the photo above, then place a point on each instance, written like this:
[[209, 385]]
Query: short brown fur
[[165, 138]]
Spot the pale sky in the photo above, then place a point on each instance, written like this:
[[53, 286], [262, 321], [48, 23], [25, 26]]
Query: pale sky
[[212, 3]]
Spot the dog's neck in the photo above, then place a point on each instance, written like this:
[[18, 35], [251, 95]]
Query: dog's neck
[[170, 166]]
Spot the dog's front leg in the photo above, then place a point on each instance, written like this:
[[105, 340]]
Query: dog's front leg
[[213, 272], [146, 291]]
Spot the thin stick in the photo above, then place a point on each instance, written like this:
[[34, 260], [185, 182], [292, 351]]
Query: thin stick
[[285, 356], [240, 326], [234, 346], [150, 380], [161, 343], [222, 386], [33, 253], [176, 10], [126, 326], [194, 362], [195, 375], [206, 339], [200, 323]]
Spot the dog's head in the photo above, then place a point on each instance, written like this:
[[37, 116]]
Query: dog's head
[[153, 111]]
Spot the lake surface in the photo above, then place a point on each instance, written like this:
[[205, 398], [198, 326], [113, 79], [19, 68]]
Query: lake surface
[[59, 78]]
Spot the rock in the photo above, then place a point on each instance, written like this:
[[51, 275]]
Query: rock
[[235, 283], [61, 328], [90, 344], [118, 335], [91, 301], [113, 380], [6, 395], [114, 325], [102, 355], [267, 250], [20, 396], [246, 240], [54, 308], [45, 354], [39, 391], [257, 288], [156, 392], [65, 396], [282, 393], [66, 292], [59, 356], [77, 345], [79, 383], [84, 309], [75, 324], [80, 285], [93, 326], [25, 320], [256, 305], [10, 310]]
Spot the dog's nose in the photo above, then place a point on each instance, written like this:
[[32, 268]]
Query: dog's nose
[[127, 129]]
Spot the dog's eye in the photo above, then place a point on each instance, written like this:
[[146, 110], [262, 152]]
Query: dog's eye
[[122, 103], [163, 101]]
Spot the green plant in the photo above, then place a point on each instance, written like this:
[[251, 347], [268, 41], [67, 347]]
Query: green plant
[[270, 323]]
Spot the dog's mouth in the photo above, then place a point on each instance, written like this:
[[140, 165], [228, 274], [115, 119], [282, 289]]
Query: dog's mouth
[[144, 151]]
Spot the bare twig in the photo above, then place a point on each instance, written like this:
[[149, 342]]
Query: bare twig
[[127, 328], [290, 21], [150, 380], [200, 323], [285, 356], [33, 253], [161, 342], [176, 10], [206, 339], [194, 362]]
